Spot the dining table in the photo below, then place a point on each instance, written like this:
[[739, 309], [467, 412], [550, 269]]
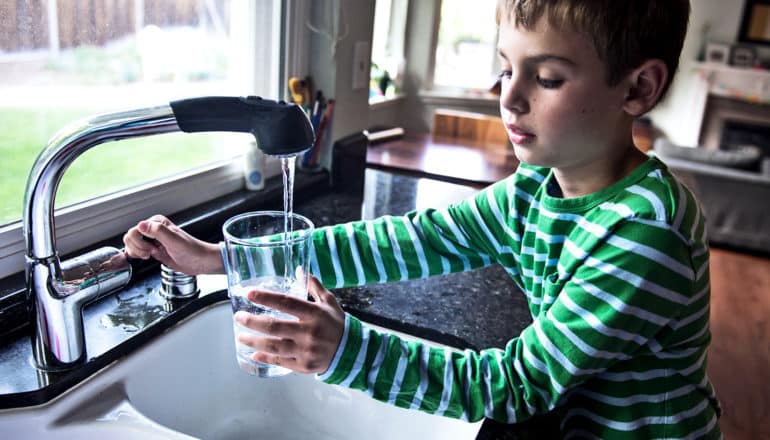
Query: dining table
[[469, 162]]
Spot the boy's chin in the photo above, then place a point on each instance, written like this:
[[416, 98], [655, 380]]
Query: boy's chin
[[528, 156]]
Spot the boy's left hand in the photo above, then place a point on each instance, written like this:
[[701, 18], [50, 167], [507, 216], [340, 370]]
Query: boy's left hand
[[305, 346]]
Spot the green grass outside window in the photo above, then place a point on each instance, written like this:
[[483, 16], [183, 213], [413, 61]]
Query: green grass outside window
[[103, 169]]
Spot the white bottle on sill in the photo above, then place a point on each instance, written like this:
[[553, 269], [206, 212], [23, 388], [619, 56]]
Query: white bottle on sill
[[254, 168]]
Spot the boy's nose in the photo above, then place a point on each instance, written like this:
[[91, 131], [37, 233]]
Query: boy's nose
[[513, 95]]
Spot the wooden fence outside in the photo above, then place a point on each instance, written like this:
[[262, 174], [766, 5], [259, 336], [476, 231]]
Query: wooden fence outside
[[25, 24]]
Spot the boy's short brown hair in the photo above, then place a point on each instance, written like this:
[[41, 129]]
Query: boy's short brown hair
[[625, 33]]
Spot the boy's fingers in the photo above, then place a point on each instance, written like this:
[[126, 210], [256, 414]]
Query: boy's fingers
[[283, 347], [274, 359], [268, 324], [136, 247], [160, 219], [157, 230], [281, 302]]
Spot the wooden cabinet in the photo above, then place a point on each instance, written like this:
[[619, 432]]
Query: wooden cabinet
[[485, 130]]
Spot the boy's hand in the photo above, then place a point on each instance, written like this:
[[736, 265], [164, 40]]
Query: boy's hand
[[307, 345], [172, 246]]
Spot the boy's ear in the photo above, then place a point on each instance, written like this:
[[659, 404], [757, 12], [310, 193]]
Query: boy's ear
[[645, 86]]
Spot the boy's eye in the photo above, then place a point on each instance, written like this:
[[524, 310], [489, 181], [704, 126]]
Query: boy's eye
[[505, 74], [549, 83]]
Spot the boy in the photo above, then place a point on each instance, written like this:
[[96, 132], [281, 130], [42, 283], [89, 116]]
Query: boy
[[607, 245]]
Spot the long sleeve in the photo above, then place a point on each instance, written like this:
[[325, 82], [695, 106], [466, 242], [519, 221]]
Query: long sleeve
[[396, 248], [602, 316]]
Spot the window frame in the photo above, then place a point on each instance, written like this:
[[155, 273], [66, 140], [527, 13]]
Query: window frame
[[91, 221], [447, 94], [396, 36]]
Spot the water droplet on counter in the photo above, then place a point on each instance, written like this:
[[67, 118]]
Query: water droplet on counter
[[134, 311]]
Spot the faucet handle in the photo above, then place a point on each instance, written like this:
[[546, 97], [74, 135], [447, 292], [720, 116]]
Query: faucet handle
[[102, 271], [177, 285], [280, 129]]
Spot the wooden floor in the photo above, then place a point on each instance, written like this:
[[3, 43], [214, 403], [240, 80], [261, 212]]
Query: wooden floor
[[739, 357]]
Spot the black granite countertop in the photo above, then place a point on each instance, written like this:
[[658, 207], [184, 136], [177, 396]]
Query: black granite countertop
[[478, 309]]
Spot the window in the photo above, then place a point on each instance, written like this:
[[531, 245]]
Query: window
[[466, 51], [387, 49], [62, 60]]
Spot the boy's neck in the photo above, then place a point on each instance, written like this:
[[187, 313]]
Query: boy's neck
[[597, 175]]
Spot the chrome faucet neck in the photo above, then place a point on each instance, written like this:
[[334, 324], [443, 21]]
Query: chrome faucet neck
[[66, 146], [56, 290]]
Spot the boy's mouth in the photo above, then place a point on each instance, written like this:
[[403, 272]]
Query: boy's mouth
[[518, 135]]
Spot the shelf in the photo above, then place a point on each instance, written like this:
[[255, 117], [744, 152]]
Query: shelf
[[732, 70], [745, 84]]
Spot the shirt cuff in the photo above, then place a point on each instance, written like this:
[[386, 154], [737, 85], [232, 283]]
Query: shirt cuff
[[351, 340]]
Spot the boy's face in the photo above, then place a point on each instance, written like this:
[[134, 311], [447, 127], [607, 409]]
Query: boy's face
[[555, 102]]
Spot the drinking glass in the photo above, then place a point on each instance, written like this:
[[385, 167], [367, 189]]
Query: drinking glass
[[259, 253]]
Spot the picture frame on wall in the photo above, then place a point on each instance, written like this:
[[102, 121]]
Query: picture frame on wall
[[718, 53], [743, 56], [755, 24]]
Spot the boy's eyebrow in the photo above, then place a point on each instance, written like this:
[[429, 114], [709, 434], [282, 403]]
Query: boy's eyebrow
[[537, 59]]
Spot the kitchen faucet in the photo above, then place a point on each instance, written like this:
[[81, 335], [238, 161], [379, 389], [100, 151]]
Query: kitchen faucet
[[58, 290]]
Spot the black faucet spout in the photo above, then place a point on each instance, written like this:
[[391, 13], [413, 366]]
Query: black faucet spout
[[280, 129]]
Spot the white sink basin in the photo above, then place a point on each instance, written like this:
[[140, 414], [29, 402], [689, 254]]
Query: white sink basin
[[187, 383]]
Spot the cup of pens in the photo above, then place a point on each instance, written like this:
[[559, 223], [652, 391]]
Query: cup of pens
[[320, 111]]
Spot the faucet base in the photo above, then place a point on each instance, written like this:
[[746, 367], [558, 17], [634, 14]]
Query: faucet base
[[57, 294]]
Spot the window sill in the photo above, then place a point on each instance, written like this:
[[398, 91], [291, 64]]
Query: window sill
[[483, 100], [87, 222], [382, 102]]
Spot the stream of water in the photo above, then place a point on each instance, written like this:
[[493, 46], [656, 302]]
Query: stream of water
[[287, 169]]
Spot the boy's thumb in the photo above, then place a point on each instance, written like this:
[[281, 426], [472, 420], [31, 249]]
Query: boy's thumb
[[316, 289]]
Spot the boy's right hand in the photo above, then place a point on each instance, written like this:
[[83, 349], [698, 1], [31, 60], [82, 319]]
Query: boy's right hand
[[173, 247]]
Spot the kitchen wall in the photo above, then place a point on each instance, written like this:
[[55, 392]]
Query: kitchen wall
[[331, 61], [724, 20], [416, 110]]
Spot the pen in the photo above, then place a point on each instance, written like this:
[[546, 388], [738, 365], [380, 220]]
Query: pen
[[325, 121]]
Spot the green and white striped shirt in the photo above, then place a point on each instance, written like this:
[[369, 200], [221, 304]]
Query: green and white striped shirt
[[617, 283]]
